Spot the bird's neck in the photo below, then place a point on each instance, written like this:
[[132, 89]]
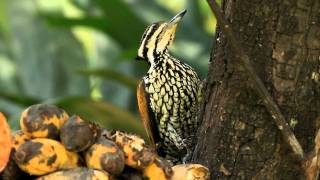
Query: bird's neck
[[160, 58]]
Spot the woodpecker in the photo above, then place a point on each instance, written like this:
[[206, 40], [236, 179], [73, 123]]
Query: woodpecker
[[169, 94]]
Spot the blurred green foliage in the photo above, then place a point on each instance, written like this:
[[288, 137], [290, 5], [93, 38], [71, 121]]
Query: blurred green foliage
[[79, 54]]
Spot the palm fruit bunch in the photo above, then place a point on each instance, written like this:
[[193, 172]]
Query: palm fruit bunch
[[52, 145]]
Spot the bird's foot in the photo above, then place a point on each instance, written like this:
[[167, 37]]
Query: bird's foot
[[187, 157]]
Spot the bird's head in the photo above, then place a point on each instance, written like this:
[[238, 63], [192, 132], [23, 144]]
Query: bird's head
[[157, 38]]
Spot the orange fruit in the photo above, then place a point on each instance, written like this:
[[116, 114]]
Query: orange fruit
[[5, 142]]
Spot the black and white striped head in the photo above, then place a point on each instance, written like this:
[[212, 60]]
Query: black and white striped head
[[157, 38]]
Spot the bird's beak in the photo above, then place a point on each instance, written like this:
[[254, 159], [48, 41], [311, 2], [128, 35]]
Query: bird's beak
[[176, 19], [167, 34]]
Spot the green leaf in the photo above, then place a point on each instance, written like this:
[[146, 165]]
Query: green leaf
[[12, 111], [18, 98], [4, 23], [59, 21], [104, 113], [112, 75], [127, 55], [124, 25], [83, 5], [44, 58]]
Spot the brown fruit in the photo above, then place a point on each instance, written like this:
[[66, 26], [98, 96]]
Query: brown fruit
[[42, 121], [13, 172], [77, 134], [42, 156], [77, 173], [138, 154], [18, 138], [160, 169], [131, 174], [105, 155]]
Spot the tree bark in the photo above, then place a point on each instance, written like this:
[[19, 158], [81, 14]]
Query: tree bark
[[238, 138]]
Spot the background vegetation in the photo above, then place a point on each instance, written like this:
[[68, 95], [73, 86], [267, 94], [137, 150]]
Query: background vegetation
[[79, 54]]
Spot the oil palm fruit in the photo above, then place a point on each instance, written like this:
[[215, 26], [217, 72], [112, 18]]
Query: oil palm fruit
[[42, 121], [5, 142], [13, 172], [169, 94], [41, 156], [138, 155], [159, 169], [18, 138], [190, 172], [105, 155], [77, 173], [131, 174], [77, 134]]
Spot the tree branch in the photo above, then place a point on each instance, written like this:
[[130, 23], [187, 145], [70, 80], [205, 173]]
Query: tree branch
[[268, 101], [312, 164]]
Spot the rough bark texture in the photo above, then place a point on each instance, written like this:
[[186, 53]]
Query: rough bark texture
[[238, 138]]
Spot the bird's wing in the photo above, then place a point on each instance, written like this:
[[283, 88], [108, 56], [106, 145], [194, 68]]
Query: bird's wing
[[147, 115]]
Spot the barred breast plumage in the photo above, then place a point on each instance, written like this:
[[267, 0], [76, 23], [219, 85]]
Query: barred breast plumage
[[169, 95]]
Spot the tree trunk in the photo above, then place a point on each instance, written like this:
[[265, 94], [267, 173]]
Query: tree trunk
[[238, 138]]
